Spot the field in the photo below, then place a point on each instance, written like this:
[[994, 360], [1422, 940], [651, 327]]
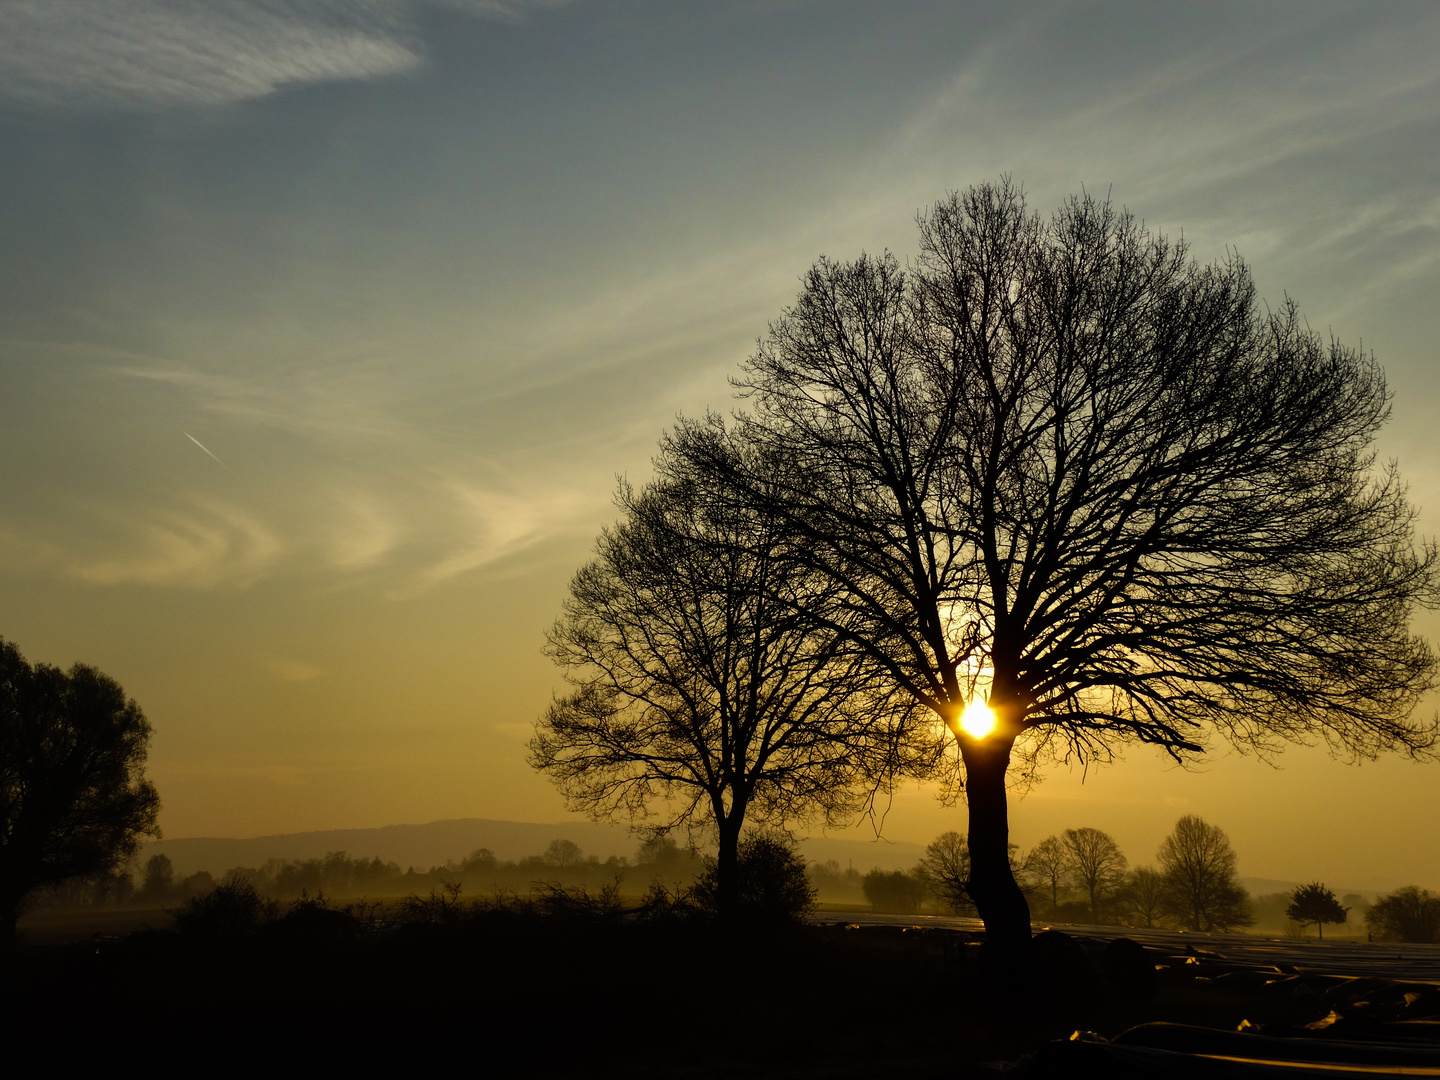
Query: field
[[512, 993]]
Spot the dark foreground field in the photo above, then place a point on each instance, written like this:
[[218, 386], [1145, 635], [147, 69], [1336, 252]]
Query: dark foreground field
[[517, 993]]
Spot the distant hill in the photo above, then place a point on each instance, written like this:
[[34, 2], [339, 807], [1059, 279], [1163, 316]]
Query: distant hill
[[438, 842]]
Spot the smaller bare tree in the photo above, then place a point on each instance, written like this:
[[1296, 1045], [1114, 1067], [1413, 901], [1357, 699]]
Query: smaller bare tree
[[1097, 865], [1144, 896], [1201, 889], [1049, 868], [946, 869], [700, 696]]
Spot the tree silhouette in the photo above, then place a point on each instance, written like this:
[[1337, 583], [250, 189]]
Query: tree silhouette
[[770, 881], [1049, 865], [1198, 867], [73, 797], [1059, 466], [1144, 895], [946, 867], [159, 883], [893, 890], [1097, 863], [699, 694], [563, 853], [1408, 914], [1314, 903]]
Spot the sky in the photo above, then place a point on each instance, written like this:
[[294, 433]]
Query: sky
[[326, 327]]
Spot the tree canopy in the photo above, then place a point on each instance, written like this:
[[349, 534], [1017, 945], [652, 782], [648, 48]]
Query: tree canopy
[[73, 797], [700, 695], [1201, 891], [1408, 914], [1314, 903], [1097, 864], [1059, 466]]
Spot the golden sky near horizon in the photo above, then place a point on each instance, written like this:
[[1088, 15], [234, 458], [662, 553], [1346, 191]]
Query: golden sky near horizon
[[326, 327]]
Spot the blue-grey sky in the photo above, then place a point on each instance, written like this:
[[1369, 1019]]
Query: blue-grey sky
[[326, 326]]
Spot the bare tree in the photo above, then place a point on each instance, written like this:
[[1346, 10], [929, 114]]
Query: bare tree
[[1060, 467], [946, 868], [1097, 863], [1049, 866], [1144, 895], [563, 853], [699, 695], [73, 796], [1198, 866]]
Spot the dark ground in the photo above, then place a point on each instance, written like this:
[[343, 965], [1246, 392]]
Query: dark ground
[[506, 993]]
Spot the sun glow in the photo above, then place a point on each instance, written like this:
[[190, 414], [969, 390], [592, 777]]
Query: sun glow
[[978, 720]]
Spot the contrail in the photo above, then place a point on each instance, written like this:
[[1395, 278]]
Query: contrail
[[202, 446]]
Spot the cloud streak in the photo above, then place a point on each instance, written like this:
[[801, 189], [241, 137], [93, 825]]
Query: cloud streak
[[207, 545], [166, 53]]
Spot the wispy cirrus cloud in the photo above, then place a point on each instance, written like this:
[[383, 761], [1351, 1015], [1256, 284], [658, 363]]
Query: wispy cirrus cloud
[[497, 524], [165, 53], [205, 545]]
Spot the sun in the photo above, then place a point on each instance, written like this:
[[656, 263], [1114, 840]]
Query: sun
[[978, 719]]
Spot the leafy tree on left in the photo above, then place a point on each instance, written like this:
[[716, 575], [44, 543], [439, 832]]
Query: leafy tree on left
[[73, 797]]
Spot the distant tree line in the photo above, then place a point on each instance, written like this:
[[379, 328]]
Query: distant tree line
[[341, 876], [1081, 875]]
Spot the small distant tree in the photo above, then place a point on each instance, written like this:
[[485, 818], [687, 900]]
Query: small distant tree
[[159, 883], [1143, 896], [893, 890], [74, 800], [946, 869], [1049, 868], [1408, 914], [564, 853], [1314, 903], [1096, 863], [1201, 889]]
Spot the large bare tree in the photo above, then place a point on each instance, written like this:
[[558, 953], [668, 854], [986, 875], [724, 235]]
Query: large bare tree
[[701, 695], [1059, 466]]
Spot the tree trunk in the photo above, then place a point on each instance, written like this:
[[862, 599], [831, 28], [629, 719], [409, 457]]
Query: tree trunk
[[727, 867], [997, 895]]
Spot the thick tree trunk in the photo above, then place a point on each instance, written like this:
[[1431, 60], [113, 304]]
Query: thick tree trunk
[[727, 873], [993, 887]]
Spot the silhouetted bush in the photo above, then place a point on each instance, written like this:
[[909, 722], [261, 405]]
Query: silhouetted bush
[[443, 907], [1408, 914], [231, 909], [893, 890], [770, 878], [556, 901], [312, 922]]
